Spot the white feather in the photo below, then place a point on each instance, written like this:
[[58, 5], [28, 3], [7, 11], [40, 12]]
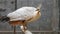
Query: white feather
[[22, 13]]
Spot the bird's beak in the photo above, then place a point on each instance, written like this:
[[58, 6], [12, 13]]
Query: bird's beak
[[38, 10]]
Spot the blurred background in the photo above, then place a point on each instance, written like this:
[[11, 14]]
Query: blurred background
[[48, 23]]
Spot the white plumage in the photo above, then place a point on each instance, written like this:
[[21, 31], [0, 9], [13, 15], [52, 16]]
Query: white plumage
[[23, 13]]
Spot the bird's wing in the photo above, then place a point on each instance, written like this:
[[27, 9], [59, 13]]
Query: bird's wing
[[22, 14]]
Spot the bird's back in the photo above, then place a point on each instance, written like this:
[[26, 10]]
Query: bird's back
[[22, 13]]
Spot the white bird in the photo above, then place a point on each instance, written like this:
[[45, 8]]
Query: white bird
[[24, 15]]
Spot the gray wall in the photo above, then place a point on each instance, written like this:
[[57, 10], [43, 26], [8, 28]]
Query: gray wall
[[49, 14]]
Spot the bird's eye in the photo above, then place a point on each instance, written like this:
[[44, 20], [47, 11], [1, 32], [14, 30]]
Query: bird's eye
[[38, 10]]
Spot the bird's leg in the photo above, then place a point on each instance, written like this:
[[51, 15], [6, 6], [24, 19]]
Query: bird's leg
[[14, 29]]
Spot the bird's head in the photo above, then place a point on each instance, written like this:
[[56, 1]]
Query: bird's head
[[38, 8]]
